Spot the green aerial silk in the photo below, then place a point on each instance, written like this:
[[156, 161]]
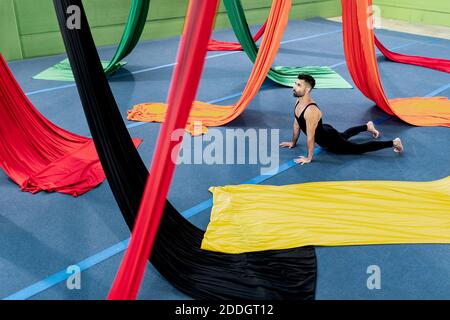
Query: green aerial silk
[[286, 76], [130, 37]]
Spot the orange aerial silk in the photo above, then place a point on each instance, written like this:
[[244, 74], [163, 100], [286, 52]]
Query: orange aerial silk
[[361, 61], [206, 115]]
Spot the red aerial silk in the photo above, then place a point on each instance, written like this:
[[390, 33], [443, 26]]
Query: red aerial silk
[[361, 61], [185, 81], [432, 63], [215, 45], [38, 155]]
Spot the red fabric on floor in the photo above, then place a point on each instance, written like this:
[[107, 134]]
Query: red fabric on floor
[[38, 155], [215, 45], [432, 63]]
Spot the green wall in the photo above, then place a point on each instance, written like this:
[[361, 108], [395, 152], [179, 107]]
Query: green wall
[[9, 36], [28, 28], [436, 12]]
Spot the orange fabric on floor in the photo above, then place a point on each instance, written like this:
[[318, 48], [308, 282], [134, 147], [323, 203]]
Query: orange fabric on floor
[[423, 111], [216, 115], [359, 46]]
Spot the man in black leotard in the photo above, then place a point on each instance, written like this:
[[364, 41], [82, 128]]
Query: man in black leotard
[[308, 118]]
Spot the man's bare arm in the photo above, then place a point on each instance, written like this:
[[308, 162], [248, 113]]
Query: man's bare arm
[[312, 117], [296, 132], [295, 135]]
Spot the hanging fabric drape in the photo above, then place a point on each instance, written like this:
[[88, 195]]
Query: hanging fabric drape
[[38, 155], [248, 218], [133, 30], [216, 45], [204, 115], [190, 62], [362, 64], [325, 76], [427, 62], [281, 274], [432, 63]]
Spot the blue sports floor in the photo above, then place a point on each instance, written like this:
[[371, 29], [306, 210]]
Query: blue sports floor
[[41, 235]]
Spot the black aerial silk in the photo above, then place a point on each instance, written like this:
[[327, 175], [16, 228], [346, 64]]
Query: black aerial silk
[[279, 274]]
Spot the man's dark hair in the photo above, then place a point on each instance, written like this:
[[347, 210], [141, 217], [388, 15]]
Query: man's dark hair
[[307, 78]]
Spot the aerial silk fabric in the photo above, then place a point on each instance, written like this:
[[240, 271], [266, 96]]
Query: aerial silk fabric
[[361, 61], [216, 45], [248, 218], [432, 63], [281, 274], [325, 77], [185, 81], [427, 62], [130, 37], [204, 115], [38, 155]]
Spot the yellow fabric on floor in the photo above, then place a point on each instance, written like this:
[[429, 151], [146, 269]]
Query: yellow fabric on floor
[[248, 218]]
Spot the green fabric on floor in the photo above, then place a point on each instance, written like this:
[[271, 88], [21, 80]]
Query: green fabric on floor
[[130, 37], [325, 77], [62, 71]]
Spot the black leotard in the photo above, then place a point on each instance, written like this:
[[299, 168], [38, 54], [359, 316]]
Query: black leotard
[[328, 137], [324, 132]]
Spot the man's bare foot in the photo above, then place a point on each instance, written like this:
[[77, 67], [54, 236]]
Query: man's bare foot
[[398, 146], [371, 128]]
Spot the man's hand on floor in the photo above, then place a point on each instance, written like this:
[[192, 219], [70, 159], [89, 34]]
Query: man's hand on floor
[[302, 160], [289, 145]]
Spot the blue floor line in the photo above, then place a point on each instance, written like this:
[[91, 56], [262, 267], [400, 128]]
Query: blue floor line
[[258, 179], [312, 36], [61, 276], [49, 89], [378, 54], [438, 91]]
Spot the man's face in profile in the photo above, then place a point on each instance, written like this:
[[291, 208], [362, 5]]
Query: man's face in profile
[[299, 88]]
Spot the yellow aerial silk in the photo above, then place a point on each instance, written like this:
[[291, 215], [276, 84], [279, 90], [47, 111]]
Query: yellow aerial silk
[[248, 218]]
